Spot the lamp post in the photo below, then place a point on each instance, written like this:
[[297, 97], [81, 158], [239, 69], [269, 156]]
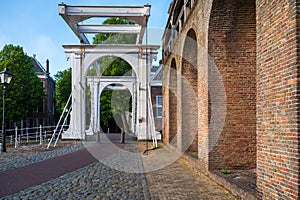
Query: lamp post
[[5, 78]]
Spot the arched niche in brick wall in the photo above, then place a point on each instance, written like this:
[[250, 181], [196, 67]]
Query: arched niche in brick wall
[[189, 111], [173, 105], [232, 66]]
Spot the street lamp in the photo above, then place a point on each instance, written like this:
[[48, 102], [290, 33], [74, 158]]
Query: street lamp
[[5, 78]]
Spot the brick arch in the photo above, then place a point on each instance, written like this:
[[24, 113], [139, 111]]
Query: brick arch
[[189, 107], [232, 59], [173, 105]]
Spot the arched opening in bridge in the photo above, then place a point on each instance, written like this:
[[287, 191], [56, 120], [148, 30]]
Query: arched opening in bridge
[[173, 104], [189, 113], [232, 66], [110, 66], [115, 109], [109, 96]]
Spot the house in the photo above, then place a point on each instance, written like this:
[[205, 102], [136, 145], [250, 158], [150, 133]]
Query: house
[[156, 95], [46, 115]]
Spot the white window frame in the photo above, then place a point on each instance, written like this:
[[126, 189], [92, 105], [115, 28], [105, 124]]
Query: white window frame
[[159, 106]]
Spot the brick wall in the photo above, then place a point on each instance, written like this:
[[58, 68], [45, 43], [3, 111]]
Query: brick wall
[[232, 59], [277, 99], [189, 116], [254, 47]]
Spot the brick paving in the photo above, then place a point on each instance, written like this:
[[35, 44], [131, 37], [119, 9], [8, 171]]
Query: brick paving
[[242, 182], [180, 181], [177, 179]]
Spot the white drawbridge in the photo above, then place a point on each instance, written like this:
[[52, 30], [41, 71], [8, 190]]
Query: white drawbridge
[[84, 55]]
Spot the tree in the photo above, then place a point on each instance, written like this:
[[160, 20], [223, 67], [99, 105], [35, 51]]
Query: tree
[[25, 94], [114, 104], [113, 66], [115, 38], [63, 88]]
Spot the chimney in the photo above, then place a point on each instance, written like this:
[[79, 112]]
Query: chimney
[[34, 55], [47, 66]]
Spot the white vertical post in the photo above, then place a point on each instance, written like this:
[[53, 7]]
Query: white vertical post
[[27, 138], [36, 134], [41, 139], [16, 137]]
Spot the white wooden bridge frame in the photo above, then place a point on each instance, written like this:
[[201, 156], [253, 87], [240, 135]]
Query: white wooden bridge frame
[[97, 85], [82, 56]]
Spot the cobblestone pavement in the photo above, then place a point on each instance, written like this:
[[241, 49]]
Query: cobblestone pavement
[[109, 179], [26, 155], [95, 181]]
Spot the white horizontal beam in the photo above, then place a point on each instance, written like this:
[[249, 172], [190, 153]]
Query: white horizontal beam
[[105, 11], [75, 14], [113, 49], [120, 29], [108, 79]]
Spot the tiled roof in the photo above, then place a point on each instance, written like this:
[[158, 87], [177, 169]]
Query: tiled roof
[[37, 67]]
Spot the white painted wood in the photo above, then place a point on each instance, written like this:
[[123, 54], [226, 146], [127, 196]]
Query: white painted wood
[[82, 56], [73, 15]]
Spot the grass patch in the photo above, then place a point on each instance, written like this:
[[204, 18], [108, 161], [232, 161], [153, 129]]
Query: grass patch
[[225, 171]]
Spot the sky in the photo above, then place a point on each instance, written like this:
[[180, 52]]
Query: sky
[[36, 26]]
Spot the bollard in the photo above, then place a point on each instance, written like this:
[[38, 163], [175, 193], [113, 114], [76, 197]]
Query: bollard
[[122, 136], [98, 136]]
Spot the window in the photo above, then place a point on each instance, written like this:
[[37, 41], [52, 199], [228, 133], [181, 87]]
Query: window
[[158, 106]]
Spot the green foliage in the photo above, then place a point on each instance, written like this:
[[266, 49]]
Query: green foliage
[[113, 103], [115, 38], [110, 66], [225, 171], [63, 88], [25, 94], [105, 109]]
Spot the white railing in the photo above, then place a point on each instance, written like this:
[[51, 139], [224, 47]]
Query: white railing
[[28, 136]]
